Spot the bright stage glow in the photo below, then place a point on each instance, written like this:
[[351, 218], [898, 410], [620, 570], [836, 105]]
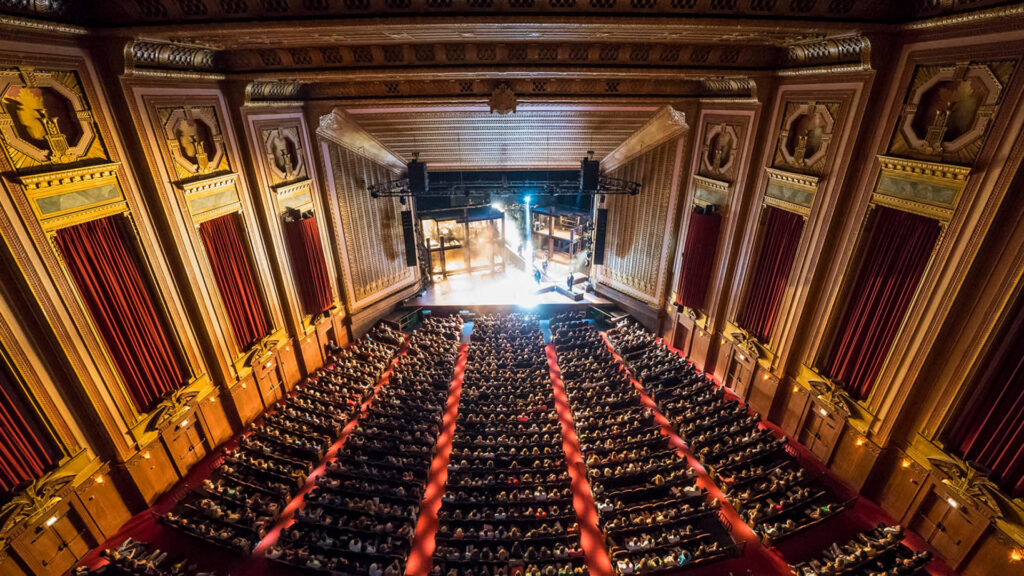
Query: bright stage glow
[[513, 287], [527, 199]]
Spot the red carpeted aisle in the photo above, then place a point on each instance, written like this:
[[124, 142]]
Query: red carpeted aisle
[[145, 528], [421, 557], [591, 538]]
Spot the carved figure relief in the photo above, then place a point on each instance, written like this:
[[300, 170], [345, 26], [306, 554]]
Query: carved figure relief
[[719, 150], [804, 136], [948, 110], [503, 100], [194, 140], [285, 157], [45, 119]]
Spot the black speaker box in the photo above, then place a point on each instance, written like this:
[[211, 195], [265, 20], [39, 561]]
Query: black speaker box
[[410, 238], [590, 173], [600, 231], [418, 180]]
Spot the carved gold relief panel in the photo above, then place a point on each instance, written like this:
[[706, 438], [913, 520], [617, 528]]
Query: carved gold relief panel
[[720, 150], [804, 136], [948, 110], [194, 140], [286, 159], [45, 119]]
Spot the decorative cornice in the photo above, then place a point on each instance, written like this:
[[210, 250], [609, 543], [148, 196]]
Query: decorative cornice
[[979, 16], [275, 90], [74, 175], [39, 496], [150, 54], [667, 123], [175, 74], [824, 70], [338, 127], [924, 169], [968, 484], [838, 50], [209, 183], [32, 25], [802, 180]]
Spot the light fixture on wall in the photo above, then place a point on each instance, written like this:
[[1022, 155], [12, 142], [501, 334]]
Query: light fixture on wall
[[1016, 555], [952, 503], [861, 441], [905, 463]]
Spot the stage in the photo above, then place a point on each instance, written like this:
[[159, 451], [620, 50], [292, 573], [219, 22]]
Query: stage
[[513, 288]]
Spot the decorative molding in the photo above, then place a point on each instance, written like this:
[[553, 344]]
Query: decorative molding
[[666, 124], [998, 14], [790, 191], [830, 51], [42, 26], [804, 136], [275, 90], [708, 191], [503, 100], [834, 70], [194, 140], [168, 55], [728, 86], [38, 497], [967, 483], [926, 188], [339, 127], [720, 149]]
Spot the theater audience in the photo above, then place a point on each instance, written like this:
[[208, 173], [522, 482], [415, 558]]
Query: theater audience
[[133, 558], [756, 469], [507, 506], [256, 478], [361, 517], [877, 552], [654, 515]]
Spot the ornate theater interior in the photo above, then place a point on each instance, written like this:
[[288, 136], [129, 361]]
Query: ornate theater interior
[[511, 287]]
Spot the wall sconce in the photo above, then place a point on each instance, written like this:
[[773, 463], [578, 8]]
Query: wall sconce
[[953, 503], [51, 521], [795, 388], [244, 386], [1016, 555], [99, 479], [905, 463], [183, 423], [861, 441], [268, 365], [823, 412], [743, 358], [764, 376], [723, 340], [147, 455], [213, 399]]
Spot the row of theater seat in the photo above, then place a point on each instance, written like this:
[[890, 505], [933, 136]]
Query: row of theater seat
[[507, 507], [255, 479], [361, 517], [655, 517], [773, 493], [133, 558]]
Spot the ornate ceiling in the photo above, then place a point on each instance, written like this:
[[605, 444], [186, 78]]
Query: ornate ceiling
[[468, 136]]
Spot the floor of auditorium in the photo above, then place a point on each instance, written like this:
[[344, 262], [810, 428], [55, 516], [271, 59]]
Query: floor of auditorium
[[756, 560]]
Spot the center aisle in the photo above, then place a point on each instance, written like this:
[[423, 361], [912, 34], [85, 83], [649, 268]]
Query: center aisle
[[591, 539], [423, 545]]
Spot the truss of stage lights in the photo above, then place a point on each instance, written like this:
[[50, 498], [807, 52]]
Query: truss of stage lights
[[503, 186]]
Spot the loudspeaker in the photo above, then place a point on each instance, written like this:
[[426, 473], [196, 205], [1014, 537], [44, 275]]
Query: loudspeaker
[[418, 180], [600, 230], [410, 238], [590, 173]]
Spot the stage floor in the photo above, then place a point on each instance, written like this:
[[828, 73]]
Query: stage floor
[[510, 288]]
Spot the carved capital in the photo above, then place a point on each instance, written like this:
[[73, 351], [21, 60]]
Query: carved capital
[[150, 54]]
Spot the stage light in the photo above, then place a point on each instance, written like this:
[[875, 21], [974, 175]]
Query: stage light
[[527, 199]]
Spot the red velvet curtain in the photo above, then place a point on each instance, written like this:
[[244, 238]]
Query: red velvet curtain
[[896, 251], [27, 451], [781, 237], [235, 278], [989, 427], [698, 258], [303, 237], [103, 264]]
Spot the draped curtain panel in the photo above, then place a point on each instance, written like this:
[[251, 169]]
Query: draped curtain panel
[[989, 427], [781, 237], [896, 252], [27, 450], [698, 258], [235, 278], [308, 265], [103, 263]]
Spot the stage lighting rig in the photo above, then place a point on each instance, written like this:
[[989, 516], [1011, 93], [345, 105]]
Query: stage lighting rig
[[416, 184]]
